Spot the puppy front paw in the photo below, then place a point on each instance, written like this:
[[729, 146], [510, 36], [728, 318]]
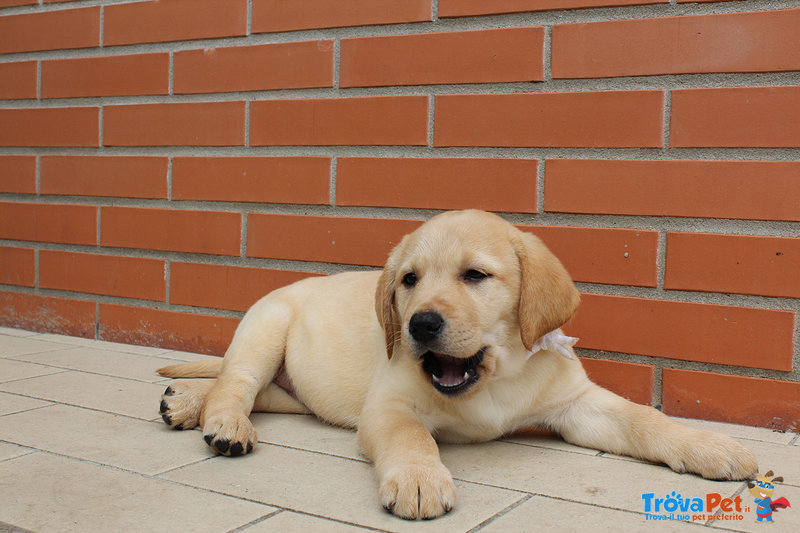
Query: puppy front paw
[[715, 456], [418, 491], [230, 435]]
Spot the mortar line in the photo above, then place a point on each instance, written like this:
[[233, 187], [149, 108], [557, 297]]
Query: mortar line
[[547, 54], [431, 117], [171, 83], [435, 11], [38, 79], [334, 170], [667, 117], [249, 17], [540, 177], [247, 124], [337, 55]]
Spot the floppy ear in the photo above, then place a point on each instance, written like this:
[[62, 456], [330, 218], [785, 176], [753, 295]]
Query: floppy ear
[[384, 307], [778, 479], [548, 299]]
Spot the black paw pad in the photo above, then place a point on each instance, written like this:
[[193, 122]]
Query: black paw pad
[[167, 420], [249, 447], [169, 392], [208, 438], [237, 449], [163, 408], [222, 445]]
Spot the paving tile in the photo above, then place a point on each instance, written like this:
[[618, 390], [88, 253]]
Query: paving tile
[[11, 370], [549, 514], [552, 443], [339, 488], [10, 451], [741, 432], [783, 460], [103, 361], [290, 521], [14, 403], [104, 393], [14, 346], [88, 497], [783, 520], [16, 332], [112, 346], [307, 433], [104, 438], [573, 476]]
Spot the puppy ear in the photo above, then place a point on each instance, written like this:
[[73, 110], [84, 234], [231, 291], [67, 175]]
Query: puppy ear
[[548, 298], [384, 307], [778, 479]]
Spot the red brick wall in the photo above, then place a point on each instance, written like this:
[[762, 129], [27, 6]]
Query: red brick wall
[[165, 163]]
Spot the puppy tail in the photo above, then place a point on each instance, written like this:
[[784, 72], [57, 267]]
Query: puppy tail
[[209, 368]]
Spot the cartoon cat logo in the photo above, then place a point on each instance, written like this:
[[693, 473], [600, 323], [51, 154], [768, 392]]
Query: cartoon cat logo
[[761, 489]]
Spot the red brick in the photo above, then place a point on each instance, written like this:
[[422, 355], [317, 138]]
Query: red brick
[[173, 20], [630, 380], [613, 119], [736, 399], [9, 3], [17, 266], [116, 176], [736, 117], [166, 329], [279, 15], [751, 190], [225, 287], [376, 120], [489, 184], [69, 224], [18, 174], [279, 66], [47, 314], [354, 241], [106, 76], [53, 30], [202, 232], [465, 8], [63, 126], [598, 255], [291, 180], [481, 56], [182, 124], [719, 334], [678, 45], [18, 80], [128, 277], [742, 264]]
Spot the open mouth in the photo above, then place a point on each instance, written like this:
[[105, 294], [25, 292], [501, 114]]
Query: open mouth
[[452, 375]]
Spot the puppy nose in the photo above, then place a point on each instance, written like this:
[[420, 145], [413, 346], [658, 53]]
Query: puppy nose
[[425, 326]]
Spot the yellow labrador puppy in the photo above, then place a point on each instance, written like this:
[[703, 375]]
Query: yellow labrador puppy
[[448, 356]]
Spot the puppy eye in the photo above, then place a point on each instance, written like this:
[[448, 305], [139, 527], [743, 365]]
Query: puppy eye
[[410, 279], [475, 275]]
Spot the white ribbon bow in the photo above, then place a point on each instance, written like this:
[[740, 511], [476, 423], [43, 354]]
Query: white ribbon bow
[[555, 341]]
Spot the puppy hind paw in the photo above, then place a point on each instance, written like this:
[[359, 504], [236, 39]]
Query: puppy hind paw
[[181, 404]]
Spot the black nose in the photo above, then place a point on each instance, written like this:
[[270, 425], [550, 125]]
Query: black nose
[[425, 326]]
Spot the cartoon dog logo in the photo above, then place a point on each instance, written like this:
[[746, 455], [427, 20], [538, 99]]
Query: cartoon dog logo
[[761, 489]]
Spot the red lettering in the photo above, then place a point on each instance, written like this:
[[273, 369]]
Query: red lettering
[[712, 499], [738, 502], [726, 505]]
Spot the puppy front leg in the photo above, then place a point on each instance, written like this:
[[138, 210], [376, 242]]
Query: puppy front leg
[[254, 356], [413, 481], [602, 420]]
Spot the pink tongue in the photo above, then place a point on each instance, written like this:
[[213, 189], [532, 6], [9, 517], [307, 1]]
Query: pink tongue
[[452, 375]]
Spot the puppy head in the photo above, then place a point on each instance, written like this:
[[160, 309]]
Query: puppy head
[[464, 291]]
